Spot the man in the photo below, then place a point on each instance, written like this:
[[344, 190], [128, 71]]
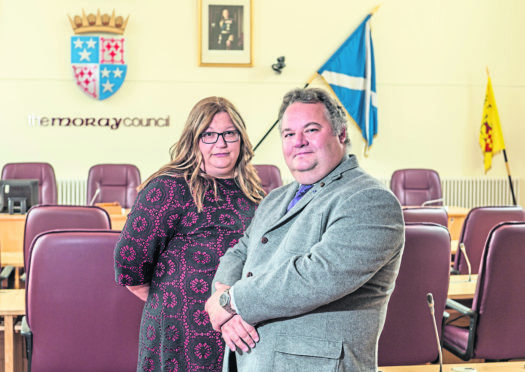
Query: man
[[310, 282]]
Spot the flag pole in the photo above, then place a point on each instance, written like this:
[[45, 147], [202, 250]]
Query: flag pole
[[509, 177], [277, 121], [507, 167]]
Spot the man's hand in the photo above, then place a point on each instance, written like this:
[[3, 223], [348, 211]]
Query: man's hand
[[237, 333], [218, 316]]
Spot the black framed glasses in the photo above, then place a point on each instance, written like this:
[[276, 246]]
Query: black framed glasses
[[212, 137]]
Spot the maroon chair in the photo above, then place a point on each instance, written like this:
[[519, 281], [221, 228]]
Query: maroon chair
[[426, 214], [43, 172], [270, 176], [408, 336], [108, 183], [476, 227], [497, 317], [417, 187], [77, 318], [43, 218]]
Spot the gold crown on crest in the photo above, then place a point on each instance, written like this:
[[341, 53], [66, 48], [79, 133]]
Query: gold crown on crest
[[98, 23]]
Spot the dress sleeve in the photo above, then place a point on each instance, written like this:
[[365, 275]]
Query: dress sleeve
[[149, 227]]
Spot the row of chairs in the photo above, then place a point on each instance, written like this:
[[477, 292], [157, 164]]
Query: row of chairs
[[108, 183], [496, 327], [105, 182], [118, 182], [475, 230], [43, 218], [68, 331]]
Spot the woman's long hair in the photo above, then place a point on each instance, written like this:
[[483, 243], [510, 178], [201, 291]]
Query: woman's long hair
[[186, 157]]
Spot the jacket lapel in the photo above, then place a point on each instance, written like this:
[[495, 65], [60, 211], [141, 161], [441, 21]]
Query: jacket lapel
[[284, 216]]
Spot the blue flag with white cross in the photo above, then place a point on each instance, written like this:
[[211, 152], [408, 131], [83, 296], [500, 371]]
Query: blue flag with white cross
[[350, 72]]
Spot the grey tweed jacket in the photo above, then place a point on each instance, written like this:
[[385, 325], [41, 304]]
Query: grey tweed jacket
[[316, 281]]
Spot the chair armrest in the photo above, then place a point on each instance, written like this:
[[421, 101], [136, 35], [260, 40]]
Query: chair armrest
[[28, 336], [25, 331], [473, 322], [451, 304], [5, 274]]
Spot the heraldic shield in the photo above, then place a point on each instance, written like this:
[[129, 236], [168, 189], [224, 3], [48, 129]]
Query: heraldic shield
[[98, 61]]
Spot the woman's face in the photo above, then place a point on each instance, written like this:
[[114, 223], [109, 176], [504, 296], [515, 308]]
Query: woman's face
[[219, 158]]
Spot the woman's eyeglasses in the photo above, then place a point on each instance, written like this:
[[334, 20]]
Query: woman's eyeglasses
[[212, 137]]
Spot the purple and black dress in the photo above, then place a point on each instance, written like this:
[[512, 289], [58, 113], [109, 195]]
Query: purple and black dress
[[167, 243]]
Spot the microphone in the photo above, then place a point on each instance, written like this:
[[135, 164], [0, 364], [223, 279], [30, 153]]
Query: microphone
[[430, 301], [464, 251], [432, 202], [97, 191]]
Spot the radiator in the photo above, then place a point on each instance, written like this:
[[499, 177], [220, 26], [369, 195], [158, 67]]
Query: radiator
[[479, 191], [71, 191]]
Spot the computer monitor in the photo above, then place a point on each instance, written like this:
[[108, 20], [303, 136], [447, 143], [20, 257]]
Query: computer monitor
[[18, 195]]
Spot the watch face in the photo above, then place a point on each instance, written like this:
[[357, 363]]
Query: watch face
[[224, 299]]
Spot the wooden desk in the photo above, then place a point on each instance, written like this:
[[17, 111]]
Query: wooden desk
[[456, 217], [15, 259], [12, 304], [12, 232], [118, 220], [460, 288], [479, 367], [453, 247]]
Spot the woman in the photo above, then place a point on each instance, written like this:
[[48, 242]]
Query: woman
[[184, 218]]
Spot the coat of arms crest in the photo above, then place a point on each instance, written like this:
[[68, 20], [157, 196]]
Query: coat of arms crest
[[97, 58]]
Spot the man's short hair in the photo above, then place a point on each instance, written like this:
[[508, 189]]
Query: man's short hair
[[333, 112]]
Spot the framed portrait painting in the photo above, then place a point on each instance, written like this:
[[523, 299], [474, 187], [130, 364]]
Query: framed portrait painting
[[225, 33]]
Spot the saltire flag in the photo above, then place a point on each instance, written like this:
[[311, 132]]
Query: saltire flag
[[350, 72], [490, 135]]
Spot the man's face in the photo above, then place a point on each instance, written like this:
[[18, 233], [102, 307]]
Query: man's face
[[311, 149]]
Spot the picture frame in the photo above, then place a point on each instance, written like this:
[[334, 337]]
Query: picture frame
[[225, 33]]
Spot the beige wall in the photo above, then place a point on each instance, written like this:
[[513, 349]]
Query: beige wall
[[430, 59]]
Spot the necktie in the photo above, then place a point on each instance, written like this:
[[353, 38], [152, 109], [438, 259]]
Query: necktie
[[303, 189]]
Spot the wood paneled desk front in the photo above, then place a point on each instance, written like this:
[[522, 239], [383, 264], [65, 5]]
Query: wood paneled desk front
[[456, 217], [479, 367], [12, 304], [12, 238]]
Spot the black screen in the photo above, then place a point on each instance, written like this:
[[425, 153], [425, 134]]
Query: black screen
[[13, 189]]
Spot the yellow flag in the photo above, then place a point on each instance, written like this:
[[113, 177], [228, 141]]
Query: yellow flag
[[490, 135]]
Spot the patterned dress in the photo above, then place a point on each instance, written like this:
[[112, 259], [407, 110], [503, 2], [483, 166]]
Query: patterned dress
[[176, 249]]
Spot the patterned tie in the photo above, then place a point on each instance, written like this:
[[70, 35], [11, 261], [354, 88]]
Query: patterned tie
[[303, 189]]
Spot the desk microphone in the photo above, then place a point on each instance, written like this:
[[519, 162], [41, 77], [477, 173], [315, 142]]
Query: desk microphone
[[433, 201], [97, 191], [430, 300], [464, 251]]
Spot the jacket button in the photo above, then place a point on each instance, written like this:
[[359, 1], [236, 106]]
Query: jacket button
[[321, 184], [264, 240], [249, 274]]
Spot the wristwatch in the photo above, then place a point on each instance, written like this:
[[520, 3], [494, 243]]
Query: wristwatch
[[225, 302]]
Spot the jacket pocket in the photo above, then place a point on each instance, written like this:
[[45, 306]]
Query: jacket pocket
[[304, 233], [305, 354]]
